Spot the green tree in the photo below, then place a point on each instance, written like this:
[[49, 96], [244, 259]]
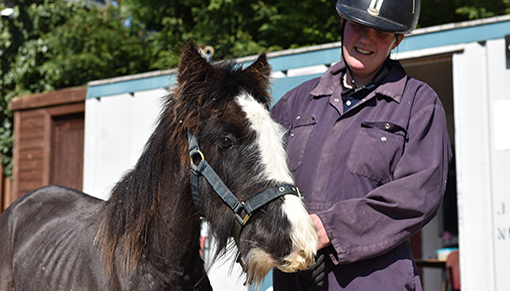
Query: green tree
[[235, 28], [435, 12]]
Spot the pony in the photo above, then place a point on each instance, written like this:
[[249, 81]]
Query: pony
[[216, 154]]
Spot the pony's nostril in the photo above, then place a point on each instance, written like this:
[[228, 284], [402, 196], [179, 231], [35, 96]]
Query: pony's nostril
[[309, 260], [288, 263]]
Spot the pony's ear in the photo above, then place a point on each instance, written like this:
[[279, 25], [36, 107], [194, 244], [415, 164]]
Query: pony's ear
[[260, 73], [192, 72], [260, 68], [192, 66]]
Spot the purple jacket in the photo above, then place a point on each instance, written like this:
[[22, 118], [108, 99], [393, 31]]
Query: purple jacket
[[375, 175]]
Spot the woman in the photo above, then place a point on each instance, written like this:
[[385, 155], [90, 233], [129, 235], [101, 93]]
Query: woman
[[369, 149]]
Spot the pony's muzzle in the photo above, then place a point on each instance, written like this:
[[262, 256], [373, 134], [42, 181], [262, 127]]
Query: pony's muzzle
[[297, 261]]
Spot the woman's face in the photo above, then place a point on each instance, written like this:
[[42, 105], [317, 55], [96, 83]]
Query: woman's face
[[365, 49]]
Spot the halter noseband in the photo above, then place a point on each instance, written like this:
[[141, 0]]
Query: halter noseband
[[254, 203]]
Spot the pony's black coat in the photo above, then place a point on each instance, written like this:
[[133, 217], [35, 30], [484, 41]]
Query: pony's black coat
[[146, 236]]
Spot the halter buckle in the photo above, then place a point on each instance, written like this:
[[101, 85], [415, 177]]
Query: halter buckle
[[246, 218], [192, 154]]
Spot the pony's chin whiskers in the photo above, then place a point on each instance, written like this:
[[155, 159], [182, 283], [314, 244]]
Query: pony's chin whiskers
[[258, 264]]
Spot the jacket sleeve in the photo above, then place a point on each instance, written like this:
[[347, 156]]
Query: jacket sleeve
[[390, 214]]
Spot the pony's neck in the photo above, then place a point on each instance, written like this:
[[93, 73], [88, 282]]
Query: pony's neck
[[176, 226]]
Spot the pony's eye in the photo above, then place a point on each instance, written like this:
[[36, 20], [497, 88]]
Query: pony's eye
[[226, 143]]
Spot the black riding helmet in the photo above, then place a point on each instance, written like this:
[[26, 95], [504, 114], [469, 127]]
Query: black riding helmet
[[394, 16]]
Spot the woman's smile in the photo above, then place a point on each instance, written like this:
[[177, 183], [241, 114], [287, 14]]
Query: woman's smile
[[363, 51]]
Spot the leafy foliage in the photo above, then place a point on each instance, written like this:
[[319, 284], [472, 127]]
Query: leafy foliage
[[234, 28], [51, 44], [48, 44], [435, 12]]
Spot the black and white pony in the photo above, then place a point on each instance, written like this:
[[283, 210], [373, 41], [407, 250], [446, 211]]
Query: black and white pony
[[214, 139]]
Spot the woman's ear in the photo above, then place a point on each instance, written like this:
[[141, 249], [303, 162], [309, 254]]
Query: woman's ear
[[398, 40]]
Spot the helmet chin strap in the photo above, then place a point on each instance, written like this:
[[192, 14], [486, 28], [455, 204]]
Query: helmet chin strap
[[347, 67]]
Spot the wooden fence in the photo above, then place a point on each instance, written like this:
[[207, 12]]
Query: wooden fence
[[48, 142], [6, 197]]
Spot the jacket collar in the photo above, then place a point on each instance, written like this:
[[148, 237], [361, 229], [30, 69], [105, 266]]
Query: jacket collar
[[392, 86]]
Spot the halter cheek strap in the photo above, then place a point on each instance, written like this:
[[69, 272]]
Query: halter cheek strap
[[200, 168]]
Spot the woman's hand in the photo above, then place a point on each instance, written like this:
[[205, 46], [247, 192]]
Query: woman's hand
[[321, 232]]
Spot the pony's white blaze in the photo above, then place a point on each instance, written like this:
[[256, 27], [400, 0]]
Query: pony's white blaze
[[304, 235], [269, 139], [274, 159]]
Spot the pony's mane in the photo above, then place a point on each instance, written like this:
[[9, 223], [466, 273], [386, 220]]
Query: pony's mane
[[128, 217]]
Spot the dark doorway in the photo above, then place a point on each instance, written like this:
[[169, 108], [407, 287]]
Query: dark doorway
[[67, 151]]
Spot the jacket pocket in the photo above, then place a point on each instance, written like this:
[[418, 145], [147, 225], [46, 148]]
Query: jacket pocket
[[377, 150], [298, 138]]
